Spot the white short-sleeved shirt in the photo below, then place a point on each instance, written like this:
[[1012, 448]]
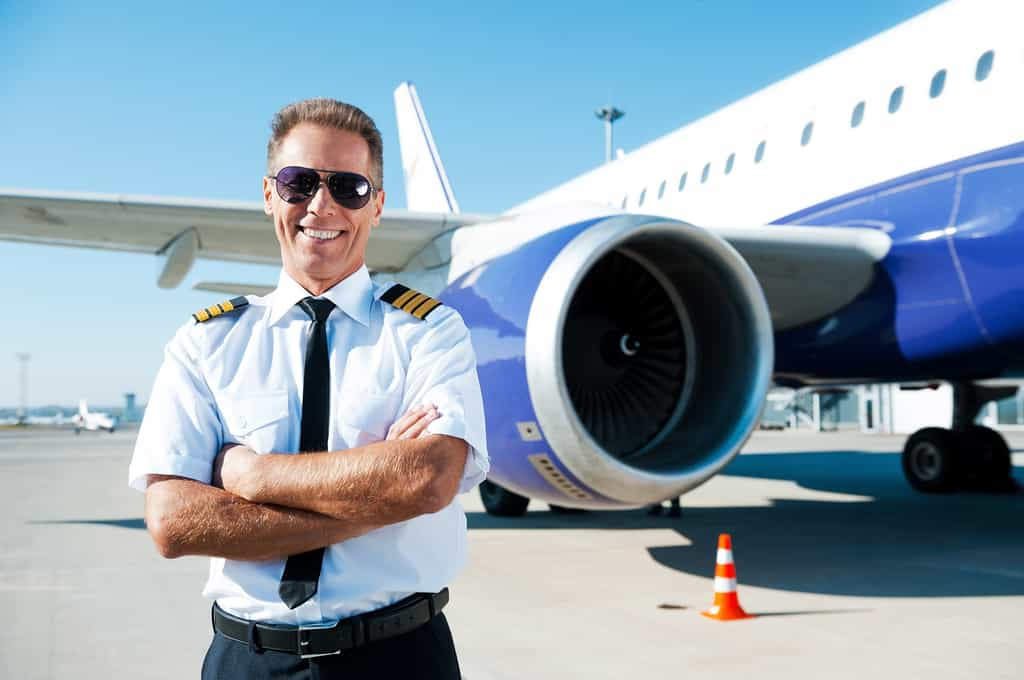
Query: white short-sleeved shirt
[[238, 378]]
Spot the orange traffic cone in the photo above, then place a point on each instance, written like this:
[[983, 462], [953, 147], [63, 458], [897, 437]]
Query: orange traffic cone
[[727, 603]]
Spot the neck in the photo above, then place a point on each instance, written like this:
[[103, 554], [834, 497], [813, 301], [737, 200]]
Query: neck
[[318, 286]]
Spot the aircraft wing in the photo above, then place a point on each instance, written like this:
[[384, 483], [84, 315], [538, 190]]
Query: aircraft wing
[[808, 272], [184, 229]]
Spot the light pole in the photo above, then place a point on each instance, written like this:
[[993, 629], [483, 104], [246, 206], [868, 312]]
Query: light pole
[[23, 358], [609, 114]]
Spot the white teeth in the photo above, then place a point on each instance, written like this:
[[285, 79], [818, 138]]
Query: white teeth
[[319, 234]]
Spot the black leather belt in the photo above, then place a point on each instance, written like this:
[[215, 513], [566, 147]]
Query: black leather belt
[[334, 637]]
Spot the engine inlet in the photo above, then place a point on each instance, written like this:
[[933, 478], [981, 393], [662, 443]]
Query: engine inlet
[[624, 355]]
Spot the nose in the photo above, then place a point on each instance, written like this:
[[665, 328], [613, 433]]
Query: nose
[[322, 203]]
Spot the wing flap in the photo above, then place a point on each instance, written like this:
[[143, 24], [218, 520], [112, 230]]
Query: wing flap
[[808, 272]]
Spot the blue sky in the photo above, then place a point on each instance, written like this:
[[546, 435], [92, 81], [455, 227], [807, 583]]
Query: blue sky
[[176, 100]]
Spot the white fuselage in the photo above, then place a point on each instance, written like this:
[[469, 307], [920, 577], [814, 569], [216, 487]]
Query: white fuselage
[[969, 116]]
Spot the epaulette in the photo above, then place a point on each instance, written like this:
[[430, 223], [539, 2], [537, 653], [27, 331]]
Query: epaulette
[[231, 305], [409, 300]]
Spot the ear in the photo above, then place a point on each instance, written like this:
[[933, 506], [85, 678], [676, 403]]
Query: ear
[[378, 207], [268, 196]]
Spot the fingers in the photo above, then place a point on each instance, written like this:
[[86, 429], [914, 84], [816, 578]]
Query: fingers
[[403, 423], [413, 423], [420, 426]]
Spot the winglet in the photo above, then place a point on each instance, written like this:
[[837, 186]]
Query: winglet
[[426, 183]]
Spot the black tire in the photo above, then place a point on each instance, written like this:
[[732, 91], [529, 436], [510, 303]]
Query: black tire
[[562, 510], [501, 502], [986, 457], [931, 460]]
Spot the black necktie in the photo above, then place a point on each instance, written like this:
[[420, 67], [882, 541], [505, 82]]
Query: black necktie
[[302, 572]]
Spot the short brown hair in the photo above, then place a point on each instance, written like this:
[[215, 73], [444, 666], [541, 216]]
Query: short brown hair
[[333, 114]]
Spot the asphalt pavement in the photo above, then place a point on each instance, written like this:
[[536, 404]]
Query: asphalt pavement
[[849, 571]]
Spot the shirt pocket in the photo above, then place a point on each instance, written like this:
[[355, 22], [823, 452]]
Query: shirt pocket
[[257, 419]]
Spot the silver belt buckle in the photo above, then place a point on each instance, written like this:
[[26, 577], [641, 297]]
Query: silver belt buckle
[[305, 644]]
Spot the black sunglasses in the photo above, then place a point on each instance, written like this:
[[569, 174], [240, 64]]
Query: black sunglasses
[[296, 184]]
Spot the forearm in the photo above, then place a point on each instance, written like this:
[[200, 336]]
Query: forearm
[[379, 484], [186, 517]]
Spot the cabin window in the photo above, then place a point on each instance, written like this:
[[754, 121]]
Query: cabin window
[[759, 154], [984, 66], [705, 173], [640, 201], [728, 163], [661, 190], [682, 181], [805, 138], [938, 84], [896, 99], [858, 115]]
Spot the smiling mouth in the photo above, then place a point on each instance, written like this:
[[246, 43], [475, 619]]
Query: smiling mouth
[[320, 234]]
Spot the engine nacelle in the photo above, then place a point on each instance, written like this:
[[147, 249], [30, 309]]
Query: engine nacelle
[[623, 359]]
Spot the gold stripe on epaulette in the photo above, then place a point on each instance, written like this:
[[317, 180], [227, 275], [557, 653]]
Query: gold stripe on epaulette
[[220, 308], [404, 297], [427, 308], [410, 301], [413, 303]]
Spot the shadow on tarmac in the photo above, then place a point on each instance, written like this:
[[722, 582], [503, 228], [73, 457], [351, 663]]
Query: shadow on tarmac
[[885, 540], [890, 542]]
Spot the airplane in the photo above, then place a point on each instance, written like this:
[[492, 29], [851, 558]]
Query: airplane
[[92, 420], [859, 222]]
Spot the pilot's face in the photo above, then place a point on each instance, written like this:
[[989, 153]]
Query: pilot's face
[[322, 242]]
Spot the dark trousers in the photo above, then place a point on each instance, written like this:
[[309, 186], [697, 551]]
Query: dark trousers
[[426, 652]]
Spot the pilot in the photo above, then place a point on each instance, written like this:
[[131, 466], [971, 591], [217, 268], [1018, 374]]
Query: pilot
[[312, 442]]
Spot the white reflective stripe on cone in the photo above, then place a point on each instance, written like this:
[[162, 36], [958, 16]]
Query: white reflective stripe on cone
[[724, 556], [725, 585]]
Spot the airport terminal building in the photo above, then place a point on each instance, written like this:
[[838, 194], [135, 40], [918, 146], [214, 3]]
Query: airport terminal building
[[883, 409]]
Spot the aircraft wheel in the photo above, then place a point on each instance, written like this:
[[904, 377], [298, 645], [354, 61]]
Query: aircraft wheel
[[931, 460], [987, 457], [78, 430], [502, 502]]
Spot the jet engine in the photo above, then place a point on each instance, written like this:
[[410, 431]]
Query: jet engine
[[623, 359]]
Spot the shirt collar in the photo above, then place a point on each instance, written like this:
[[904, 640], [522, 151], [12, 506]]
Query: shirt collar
[[352, 295]]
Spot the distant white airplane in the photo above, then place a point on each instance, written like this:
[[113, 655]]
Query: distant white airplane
[[87, 420]]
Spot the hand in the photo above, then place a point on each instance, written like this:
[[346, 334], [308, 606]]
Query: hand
[[232, 467], [414, 423]]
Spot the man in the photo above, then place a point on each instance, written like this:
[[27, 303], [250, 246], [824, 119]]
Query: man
[[335, 562]]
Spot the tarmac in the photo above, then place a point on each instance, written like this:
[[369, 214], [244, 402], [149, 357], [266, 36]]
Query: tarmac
[[851, 574]]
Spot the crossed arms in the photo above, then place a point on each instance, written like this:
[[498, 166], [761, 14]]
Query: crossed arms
[[263, 507]]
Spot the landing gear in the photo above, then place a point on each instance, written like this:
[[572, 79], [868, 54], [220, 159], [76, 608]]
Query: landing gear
[[502, 502], [673, 509], [937, 460], [988, 455], [930, 460]]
